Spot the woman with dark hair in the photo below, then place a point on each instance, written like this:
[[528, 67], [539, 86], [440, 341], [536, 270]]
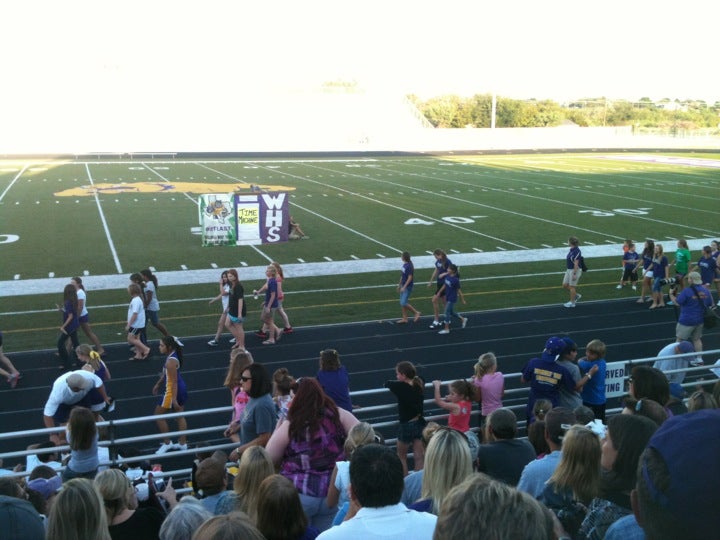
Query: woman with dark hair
[[84, 315], [409, 390], [646, 261], [442, 263], [625, 440], [334, 379], [646, 382], [70, 324], [308, 444], [405, 288], [152, 303], [259, 416], [172, 391], [236, 309], [280, 514]]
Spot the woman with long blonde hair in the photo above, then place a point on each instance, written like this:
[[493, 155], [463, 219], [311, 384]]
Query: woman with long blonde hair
[[576, 480], [254, 467]]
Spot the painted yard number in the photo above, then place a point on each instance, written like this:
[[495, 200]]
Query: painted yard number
[[471, 219], [447, 219], [624, 211]]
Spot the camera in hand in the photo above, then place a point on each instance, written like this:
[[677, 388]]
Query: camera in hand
[[668, 281]]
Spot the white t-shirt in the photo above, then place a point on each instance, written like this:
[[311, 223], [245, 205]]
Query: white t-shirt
[[136, 306], [82, 296], [61, 392], [154, 304]]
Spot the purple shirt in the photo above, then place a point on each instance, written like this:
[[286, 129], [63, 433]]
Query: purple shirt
[[73, 325], [336, 384], [573, 255], [692, 309], [309, 462], [271, 288]]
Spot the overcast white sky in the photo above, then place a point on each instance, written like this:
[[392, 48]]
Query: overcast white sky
[[126, 74], [523, 48]]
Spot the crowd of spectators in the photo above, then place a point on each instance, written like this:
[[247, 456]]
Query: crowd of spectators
[[322, 473]]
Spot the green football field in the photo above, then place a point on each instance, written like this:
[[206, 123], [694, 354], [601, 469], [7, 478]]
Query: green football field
[[505, 218]]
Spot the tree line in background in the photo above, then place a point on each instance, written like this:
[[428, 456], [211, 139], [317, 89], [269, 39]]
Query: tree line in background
[[451, 111]]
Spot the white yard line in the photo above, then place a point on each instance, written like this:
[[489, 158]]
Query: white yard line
[[395, 207], [324, 268], [111, 244], [17, 176]]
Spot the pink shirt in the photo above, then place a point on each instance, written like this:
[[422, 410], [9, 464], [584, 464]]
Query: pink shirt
[[491, 388], [461, 420]]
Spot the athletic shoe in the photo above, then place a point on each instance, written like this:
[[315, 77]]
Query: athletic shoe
[[262, 335], [213, 343], [697, 361], [435, 324], [464, 323], [634, 287], [443, 331], [578, 297], [288, 330], [670, 303], [13, 379], [232, 340], [180, 447], [619, 287], [165, 447], [569, 304]]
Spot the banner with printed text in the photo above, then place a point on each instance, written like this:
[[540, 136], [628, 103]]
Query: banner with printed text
[[229, 219], [217, 219]]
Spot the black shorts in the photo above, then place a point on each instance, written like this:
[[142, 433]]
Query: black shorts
[[439, 286], [411, 431], [630, 274]]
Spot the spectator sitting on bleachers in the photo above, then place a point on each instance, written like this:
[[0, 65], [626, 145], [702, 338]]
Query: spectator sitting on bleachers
[[647, 408], [413, 481], [20, 521], [45, 481], [676, 494], [624, 442], [376, 484], [481, 508], [646, 382], [210, 484], [537, 472], [576, 480], [280, 514], [78, 513], [503, 457], [308, 444], [255, 466], [125, 520], [184, 519], [701, 400], [447, 463], [35, 460]]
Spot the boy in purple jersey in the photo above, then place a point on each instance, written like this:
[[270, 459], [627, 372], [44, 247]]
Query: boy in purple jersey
[[707, 266], [451, 289], [630, 262], [572, 272]]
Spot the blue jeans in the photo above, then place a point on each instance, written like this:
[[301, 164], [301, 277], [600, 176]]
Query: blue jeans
[[319, 514]]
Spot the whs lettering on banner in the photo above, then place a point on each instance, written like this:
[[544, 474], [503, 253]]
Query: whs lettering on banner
[[275, 217]]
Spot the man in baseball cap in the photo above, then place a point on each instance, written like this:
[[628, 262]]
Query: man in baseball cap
[[676, 494]]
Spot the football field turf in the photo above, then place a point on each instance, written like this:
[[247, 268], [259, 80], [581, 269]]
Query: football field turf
[[504, 219]]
